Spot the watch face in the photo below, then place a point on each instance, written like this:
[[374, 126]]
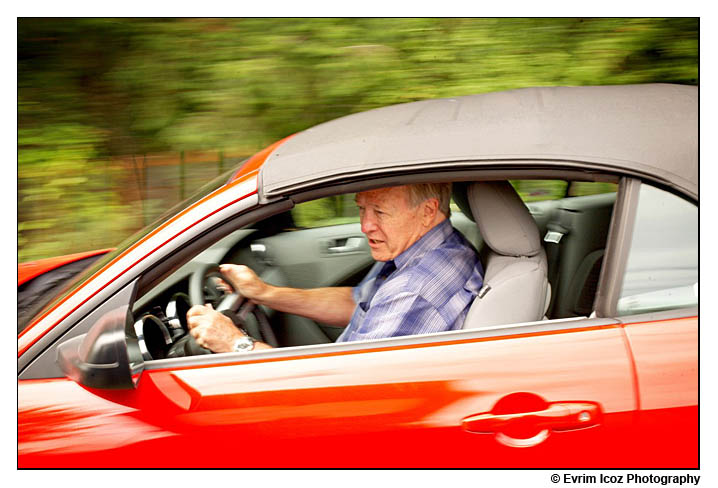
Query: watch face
[[244, 344]]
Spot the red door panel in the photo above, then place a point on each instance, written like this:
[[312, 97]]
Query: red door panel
[[666, 356], [403, 407]]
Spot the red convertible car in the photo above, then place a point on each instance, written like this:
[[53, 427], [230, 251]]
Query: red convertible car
[[581, 351]]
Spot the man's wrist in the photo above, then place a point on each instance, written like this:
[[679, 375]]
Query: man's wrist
[[265, 296], [244, 343]]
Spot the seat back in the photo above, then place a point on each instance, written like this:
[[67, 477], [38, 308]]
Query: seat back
[[583, 224], [515, 282]]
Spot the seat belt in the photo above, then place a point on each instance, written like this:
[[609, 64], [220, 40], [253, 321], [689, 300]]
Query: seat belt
[[553, 237]]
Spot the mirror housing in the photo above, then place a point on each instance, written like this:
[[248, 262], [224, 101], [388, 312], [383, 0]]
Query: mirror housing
[[101, 358]]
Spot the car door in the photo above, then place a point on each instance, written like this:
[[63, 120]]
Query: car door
[[515, 397], [520, 396]]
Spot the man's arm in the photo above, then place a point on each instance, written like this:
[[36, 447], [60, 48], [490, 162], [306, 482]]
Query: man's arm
[[332, 306], [215, 331]]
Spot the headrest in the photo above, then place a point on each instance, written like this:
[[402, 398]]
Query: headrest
[[505, 223]]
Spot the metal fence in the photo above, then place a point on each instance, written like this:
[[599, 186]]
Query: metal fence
[[158, 182]]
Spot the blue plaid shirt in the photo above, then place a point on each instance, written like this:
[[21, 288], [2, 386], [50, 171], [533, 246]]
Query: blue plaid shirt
[[431, 289]]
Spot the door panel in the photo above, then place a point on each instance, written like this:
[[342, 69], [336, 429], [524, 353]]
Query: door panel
[[405, 407], [399, 407], [323, 256]]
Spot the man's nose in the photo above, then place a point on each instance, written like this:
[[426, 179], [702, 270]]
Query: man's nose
[[368, 224]]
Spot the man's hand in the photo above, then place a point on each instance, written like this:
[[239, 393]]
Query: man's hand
[[211, 329], [245, 281]]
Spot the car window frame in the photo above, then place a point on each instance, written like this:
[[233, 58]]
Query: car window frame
[[618, 244], [296, 352]]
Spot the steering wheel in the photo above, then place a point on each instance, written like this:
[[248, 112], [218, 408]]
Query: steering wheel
[[203, 289]]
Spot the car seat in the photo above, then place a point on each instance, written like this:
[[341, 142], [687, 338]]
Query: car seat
[[515, 285]]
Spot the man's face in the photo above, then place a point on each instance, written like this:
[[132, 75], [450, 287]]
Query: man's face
[[389, 222]]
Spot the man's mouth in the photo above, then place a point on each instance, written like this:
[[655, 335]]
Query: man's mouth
[[374, 242]]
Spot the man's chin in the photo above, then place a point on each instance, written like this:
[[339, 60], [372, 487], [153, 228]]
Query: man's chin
[[379, 255]]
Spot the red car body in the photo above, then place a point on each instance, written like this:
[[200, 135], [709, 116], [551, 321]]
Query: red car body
[[585, 392], [286, 420]]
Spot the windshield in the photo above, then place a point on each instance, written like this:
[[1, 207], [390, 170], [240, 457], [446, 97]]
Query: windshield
[[76, 281]]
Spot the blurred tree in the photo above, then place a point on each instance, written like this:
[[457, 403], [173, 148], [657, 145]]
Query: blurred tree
[[90, 90]]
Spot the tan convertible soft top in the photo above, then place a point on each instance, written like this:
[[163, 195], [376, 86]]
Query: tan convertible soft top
[[647, 130]]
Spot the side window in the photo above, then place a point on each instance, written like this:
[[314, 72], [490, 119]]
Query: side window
[[335, 210], [539, 190], [662, 267]]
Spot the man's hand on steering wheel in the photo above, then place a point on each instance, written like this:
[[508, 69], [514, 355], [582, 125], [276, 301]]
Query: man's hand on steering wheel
[[215, 331], [245, 281], [211, 329]]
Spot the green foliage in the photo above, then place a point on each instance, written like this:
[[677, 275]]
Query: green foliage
[[63, 193], [538, 190], [584, 188], [93, 89], [340, 209]]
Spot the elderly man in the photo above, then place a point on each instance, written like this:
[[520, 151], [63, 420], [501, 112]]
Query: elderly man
[[429, 277]]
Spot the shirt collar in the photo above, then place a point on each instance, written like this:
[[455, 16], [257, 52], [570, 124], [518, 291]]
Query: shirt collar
[[431, 240]]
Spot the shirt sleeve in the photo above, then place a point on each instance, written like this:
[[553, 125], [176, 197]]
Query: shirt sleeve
[[402, 314]]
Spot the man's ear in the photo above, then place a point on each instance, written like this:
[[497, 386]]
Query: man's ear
[[430, 207]]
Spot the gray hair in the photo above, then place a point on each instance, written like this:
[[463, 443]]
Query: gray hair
[[423, 191]]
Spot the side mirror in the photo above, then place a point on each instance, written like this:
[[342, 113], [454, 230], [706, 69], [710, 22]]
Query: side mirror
[[101, 358]]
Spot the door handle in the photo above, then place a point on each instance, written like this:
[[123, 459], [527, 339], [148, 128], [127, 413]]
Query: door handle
[[559, 416], [351, 244]]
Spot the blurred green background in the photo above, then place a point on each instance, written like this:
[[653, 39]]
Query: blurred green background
[[119, 119]]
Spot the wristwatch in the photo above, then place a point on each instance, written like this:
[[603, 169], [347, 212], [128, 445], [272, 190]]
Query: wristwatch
[[243, 344]]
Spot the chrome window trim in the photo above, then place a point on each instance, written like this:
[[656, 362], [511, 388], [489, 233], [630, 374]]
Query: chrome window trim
[[299, 352]]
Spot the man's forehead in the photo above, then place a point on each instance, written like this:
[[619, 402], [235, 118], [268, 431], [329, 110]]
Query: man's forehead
[[389, 194]]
